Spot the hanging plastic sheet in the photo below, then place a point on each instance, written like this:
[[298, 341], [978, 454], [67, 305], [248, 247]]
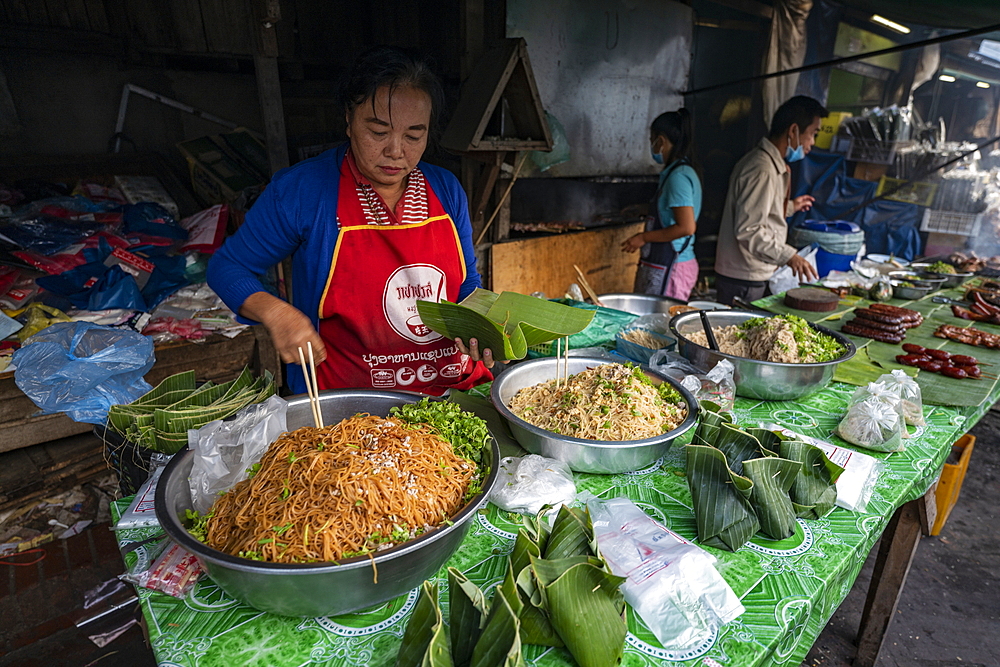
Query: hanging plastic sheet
[[890, 227]]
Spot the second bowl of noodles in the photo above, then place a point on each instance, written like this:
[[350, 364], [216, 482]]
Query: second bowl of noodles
[[596, 415]]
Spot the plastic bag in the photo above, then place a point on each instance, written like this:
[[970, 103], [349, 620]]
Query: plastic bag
[[83, 369], [902, 385], [35, 317], [225, 450], [874, 424], [527, 484], [861, 471], [784, 278], [672, 365], [46, 234], [880, 391], [717, 385], [174, 572], [672, 584]]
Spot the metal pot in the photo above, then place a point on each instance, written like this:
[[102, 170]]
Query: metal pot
[[767, 380], [595, 456], [638, 304], [324, 589], [900, 291]]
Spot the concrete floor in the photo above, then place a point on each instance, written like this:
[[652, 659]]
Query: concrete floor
[[949, 612]]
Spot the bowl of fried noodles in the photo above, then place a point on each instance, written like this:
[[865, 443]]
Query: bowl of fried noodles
[[597, 415], [776, 357], [336, 519]]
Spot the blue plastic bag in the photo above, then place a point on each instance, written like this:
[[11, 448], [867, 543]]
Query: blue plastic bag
[[83, 369]]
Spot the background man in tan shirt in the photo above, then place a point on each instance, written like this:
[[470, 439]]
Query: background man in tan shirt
[[752, 237]]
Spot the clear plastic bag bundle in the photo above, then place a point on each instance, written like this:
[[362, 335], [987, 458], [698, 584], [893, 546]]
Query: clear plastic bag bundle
[[672, 584], [880, 391], [529, 483], [225, 450], [174, 572], [873, 424], [902, 385], [717, 386]]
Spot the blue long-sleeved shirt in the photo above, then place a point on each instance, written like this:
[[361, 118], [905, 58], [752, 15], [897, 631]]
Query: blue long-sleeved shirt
[[297, 215]]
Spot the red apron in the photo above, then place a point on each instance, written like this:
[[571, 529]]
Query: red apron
[[368, 316]]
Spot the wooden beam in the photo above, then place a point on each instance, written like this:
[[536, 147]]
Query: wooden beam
[[748, 7], [266, 14], [895, 554]]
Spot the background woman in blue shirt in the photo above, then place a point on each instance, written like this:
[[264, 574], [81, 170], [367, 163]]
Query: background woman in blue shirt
[[667, 265]]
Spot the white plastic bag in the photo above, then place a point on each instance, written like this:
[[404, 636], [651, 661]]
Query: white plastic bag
[[908, 391], [717, 385], [529, 483], [672, 584], [784, 278], [881, 392], [224, 450], [874, 424]]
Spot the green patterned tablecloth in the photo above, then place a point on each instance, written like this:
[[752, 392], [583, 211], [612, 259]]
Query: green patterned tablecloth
[[790, 588]]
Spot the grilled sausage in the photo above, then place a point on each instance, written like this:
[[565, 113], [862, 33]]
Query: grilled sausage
[[874, 334]]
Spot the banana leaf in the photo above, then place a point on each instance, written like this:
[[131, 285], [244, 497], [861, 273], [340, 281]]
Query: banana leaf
[[500, 643], [425, 641], [738, 446], [466, 614], [772, 477], [585, 606], [770, 441], [722, 508], [814, 492], [711, 418], [537, 529], [506, 323], [178, 381], [570, 535], [524, 549]]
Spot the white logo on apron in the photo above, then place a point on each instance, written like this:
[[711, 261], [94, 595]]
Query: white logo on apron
[[405, 286]]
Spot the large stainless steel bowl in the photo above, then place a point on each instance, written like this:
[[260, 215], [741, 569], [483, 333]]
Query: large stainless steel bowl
[[598, 456], [320, 589], [638, 304], [767, 380]]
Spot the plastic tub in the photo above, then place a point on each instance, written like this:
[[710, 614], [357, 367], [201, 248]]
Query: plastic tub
[[828, 261]]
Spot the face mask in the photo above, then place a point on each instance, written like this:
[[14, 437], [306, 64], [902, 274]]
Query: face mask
[[794, 155], [657, 158]]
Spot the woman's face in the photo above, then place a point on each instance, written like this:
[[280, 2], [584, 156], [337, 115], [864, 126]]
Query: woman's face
[[660, 145], [388, 146]]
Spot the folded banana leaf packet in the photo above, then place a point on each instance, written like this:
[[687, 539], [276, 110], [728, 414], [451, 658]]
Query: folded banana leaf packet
[[747, 480], [507, 323]]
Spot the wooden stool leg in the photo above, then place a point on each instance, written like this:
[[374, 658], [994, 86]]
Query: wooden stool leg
[[899, 544]]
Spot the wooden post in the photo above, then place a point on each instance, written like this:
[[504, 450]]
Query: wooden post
[[895, 554], [266, 15]]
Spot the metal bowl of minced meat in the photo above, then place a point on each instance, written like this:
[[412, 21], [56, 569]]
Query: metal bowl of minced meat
[[766, 380], [584, 455]]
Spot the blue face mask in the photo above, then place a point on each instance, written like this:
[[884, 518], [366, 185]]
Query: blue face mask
[[657, 158], [794, 155]]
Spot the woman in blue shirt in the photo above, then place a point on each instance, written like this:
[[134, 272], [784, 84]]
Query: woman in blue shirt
[[667, 265]]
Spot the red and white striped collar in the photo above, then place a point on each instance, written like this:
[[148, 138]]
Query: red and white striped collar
[[412, 207]]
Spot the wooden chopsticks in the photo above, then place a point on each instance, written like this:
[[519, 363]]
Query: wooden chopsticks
[[586, 286], [312, 386]]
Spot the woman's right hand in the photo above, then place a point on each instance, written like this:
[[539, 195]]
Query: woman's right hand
[[289, 327], [633, 243]]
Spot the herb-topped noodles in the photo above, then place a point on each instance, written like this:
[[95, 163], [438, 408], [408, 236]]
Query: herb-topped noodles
[[608, 402], [322, 494]]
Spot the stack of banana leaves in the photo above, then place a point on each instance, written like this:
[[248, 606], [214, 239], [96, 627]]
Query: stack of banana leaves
[[745, 480], [507, 323], [160, 419], [557, 592]]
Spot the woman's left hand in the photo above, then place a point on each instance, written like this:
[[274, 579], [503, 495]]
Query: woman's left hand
[[633, 243], [485, 356]]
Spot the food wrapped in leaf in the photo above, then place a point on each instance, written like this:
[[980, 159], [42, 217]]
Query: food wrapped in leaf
[[772, 479], [814, 491], [506, 323], [724, 515]]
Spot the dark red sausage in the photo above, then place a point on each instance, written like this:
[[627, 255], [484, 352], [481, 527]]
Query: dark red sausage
[[962, 360], [972, 371], [954, 372], [909, 359], [893, 329], [930, 365], [913, 348], [869, 314], [939, 354], [856, 329]]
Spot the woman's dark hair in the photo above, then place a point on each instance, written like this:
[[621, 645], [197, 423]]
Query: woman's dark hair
[[676, 126], [387, 66], [801, 110]]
